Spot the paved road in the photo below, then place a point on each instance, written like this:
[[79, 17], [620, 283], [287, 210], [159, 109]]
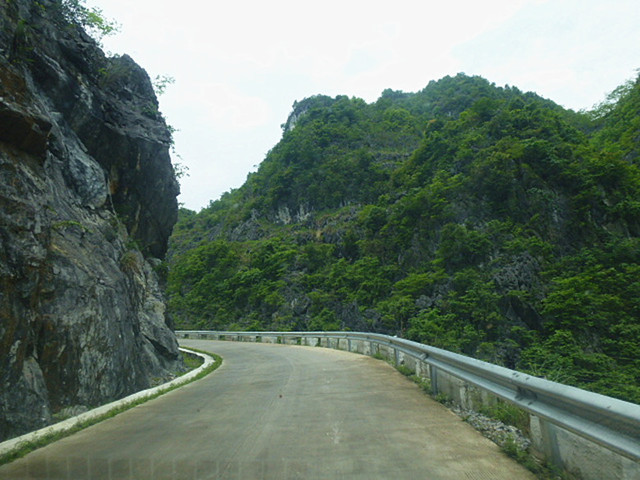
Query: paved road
[[278, 412]]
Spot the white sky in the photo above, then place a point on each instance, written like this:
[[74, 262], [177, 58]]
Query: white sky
[[240, 64]]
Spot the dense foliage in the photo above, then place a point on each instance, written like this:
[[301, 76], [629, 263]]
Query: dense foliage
[[475, 218]]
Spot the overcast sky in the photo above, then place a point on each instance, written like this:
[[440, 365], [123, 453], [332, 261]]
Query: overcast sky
[[240, 64]]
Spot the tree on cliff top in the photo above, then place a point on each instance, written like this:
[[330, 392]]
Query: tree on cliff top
[[91, 19]]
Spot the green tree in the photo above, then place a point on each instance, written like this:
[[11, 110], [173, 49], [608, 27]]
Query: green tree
[[91, 19]]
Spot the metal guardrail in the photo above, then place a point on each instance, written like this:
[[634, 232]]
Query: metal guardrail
[[611, 423]]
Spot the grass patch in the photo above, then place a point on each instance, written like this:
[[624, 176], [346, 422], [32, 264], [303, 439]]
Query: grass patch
[[443, 398], [404, 370], [191, 362], [29, 446], [523, 457], [542, 470], [425, 385], [508, 414], [217, 361], [379, 356]]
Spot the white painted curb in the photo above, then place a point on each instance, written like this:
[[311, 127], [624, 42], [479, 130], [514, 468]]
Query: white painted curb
[[15, 443]]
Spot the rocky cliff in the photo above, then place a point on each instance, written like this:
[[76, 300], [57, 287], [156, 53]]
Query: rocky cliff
[[87, 202]]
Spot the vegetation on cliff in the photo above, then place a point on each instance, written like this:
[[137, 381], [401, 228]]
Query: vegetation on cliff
[[480, 219]]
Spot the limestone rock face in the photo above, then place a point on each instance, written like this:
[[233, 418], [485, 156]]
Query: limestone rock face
[[87, 197]]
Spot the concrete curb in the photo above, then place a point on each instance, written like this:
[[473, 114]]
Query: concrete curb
[[15, 443]]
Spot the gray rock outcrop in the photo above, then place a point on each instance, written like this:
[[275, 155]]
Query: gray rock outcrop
[[87, 197]]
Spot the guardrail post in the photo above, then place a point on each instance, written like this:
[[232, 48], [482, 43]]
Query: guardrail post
[[544, 437], [433, 374]]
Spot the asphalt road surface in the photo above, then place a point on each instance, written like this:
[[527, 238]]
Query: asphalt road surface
[[278, 412]]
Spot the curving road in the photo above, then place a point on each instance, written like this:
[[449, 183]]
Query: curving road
[[278, 412]]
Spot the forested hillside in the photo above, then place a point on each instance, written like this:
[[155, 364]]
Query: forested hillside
[[467, 216]]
